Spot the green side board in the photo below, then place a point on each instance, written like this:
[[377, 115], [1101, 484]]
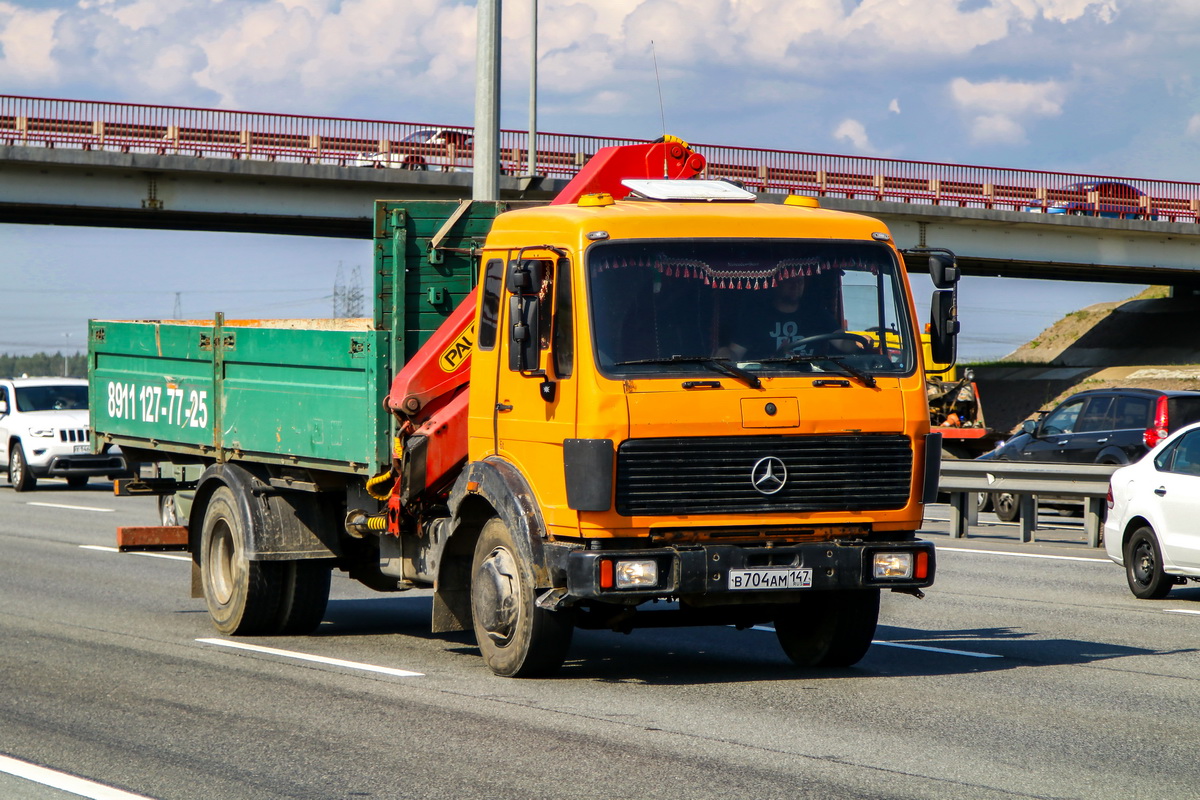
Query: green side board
[[304, 393]]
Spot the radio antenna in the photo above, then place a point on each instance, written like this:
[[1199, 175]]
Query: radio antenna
[[661, 112]]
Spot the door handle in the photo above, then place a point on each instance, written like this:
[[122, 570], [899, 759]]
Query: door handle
[[1102, 441], [1161, 491], [502, 407], [1063, 442]]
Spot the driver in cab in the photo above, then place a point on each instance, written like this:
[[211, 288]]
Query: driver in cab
[[779, 326]]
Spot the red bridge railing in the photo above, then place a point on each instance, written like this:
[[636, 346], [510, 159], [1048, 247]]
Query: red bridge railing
[[356, 143]]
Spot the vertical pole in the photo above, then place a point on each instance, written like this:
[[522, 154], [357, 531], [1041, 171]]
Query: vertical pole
[[531, 170], [486, 179], [960, 519]]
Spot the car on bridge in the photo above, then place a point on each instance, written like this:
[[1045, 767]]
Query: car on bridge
[[1113, 199], [1096, 426], [1153, 507], [445, 149]]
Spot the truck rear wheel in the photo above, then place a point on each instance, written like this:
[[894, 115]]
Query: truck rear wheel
[[829, 629], [243, 596], [517, 639], [248, 598]]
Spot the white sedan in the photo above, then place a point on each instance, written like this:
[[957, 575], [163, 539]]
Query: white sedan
[[1153, 524]]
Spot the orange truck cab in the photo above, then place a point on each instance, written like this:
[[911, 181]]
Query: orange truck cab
[[670, 429]]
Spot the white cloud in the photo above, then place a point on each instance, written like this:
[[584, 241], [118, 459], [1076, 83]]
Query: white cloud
[[1044, 98], [894, 106], [1193, 126], [1071, 10], [998, 108], [855, 133], [997, 129], [26, 42]]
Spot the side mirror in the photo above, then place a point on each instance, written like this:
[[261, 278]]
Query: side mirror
[[943, 317], [1029, 426], [943, 270], [525, 277], [523, 311]]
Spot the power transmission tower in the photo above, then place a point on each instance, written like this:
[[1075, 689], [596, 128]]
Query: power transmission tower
[[354, 294], [339, 294]]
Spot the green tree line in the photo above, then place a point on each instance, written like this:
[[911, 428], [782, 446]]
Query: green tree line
[[44, 365]]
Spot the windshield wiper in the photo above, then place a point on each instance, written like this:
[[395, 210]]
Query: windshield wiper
[[853, 372], [719, 364]]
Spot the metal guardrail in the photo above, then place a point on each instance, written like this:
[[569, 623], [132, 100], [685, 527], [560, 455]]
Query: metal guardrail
[[204, 133], [962, 480]]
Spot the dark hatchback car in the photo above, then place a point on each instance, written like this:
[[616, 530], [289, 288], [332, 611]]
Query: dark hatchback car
[[1098, 426]]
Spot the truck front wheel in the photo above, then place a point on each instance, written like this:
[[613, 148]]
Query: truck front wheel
[[516, 638], [829, 629]]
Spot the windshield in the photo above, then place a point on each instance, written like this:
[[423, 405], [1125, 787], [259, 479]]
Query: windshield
[[51, 398], [765, 306]]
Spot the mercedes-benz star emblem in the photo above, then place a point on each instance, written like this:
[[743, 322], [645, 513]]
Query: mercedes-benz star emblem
[[768, 475]]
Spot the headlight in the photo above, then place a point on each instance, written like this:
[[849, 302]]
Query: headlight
[[44, 433], [632, 574], [892, 565]]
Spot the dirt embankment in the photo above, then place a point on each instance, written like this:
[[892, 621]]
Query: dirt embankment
[[1150, 341]]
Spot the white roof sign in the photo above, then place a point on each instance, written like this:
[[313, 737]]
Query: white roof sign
[[662, 189]]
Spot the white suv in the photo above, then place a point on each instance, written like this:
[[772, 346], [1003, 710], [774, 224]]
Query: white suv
[[44, 433]]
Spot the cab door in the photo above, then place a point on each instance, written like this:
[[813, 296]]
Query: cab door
[[536, 389]]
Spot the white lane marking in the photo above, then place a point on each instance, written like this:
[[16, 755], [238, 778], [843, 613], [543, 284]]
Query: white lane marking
[[72, 508], [1180, 611], [60, 780], [936, 649], [944, 549], [102, 549], [336, 662], [909, 646]]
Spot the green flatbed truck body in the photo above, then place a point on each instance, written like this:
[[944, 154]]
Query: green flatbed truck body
[[302, 393]]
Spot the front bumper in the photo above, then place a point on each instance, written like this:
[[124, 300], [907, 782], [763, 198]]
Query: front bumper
[[83, 464], [702, 573]]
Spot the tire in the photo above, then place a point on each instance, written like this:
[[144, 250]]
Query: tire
[[516, 638], [77, 481], [829, 629], [19, 476], [168, 512], [983, 502], [305, 596], [1007, 506], [255, 598], [1143, 566], [243, 596]]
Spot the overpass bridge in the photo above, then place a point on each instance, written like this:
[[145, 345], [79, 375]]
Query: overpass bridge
[[128, 165]]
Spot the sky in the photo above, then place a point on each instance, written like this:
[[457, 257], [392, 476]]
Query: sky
[[1103, 87]]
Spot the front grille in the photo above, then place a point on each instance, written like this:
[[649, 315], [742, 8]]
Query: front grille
[[73, 434], [713, 475]]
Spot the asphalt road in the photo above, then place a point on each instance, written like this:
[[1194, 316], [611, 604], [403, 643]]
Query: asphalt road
[[1027, 671]]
